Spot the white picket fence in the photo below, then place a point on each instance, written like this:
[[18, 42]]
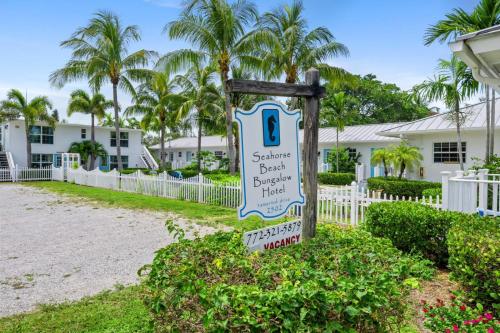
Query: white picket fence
[[198, 189], [23, 174], [472, 192]]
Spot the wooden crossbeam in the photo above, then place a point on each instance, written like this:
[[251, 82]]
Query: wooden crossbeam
[[274, 88]]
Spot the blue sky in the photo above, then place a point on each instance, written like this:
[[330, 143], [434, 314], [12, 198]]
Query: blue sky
[[385, 37]]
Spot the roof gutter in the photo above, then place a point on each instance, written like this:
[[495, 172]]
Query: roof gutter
[[464, 52]]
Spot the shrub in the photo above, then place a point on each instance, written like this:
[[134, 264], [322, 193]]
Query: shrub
[[433, 192], [330, 178], [400, 187], [458, 317], [474, 247], [412, 227], [347, 161], [132, 170], [342, 280], [222, 178]]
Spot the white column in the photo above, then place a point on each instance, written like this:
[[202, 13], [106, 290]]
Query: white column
[[445, 176], [354, 203], [483, 190]]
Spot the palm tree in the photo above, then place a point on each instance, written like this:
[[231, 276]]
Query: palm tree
[[382, 156], [217, 29], [95, 106], [453, 84], [156, 102], [486, 14], [336, 110], [109, 121], [87, 149], [405, 157], [202, 97], [287, 47], [100, 54], [37, 109]]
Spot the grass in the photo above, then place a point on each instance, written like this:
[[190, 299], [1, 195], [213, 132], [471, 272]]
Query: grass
[[120, 311], [200, 213]]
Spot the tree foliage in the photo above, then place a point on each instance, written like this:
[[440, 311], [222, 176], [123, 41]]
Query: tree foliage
[[370, 101]]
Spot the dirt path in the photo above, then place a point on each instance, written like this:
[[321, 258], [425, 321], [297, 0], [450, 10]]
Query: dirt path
[[55, 248]]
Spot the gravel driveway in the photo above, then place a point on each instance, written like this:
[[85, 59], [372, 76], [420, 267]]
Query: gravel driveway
[[55, 248]]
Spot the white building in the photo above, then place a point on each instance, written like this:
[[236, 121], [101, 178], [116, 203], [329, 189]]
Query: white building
[[48, 143], [435, 136]]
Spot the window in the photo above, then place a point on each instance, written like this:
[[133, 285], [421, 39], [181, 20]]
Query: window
[[113, 162], [42, 134], [180, 154], [352, 153], [171, 157], [41, 160], [123, 139], [447, 152], [84, 133], [219, 154]]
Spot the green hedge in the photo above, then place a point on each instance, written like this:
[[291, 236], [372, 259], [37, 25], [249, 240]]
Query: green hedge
[[343, 280], [433, 192], [331, 178], [474, 247], [412, 227], [401, 187]]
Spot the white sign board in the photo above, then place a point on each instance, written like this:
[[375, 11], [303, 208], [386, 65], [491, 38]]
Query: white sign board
[[274, 237], [270, 160]]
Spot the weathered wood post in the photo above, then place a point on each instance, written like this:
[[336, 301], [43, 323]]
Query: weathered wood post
[[310, 148]]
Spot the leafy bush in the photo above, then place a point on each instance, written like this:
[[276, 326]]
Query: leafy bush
[[400, 187], [347, 162], [186, 173], [222, 178], [458, 317], [342, 280], [412, 227], [132, 170], [433, 192], [474, 247], [330, 178]]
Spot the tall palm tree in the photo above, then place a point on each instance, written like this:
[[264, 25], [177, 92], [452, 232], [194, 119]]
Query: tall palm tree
[[405, 157], [217, 29], [453, 84], [287, 47], [37, 109], [96, 106], [156, 101], [336, 111], [100, 54], [202, 97], [109, 121], [382, 156], [486, 14]]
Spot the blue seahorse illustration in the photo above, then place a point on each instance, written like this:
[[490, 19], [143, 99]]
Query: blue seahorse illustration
[[270, 126]]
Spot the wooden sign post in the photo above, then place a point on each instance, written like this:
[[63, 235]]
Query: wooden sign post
[[312, 91]]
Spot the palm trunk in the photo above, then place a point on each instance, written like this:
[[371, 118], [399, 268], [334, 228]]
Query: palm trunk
[[386, 170], [493, 123], [459, 135], [117, 127], [337, 157], [402, 170], [162, 145], [229, 125], [27, 129], [198, 153], [488, 113], [92, 139], [237, 151]]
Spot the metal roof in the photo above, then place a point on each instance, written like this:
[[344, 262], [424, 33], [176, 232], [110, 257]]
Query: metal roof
[[213, 141], [350, 134], [476, 120], [479, 33]]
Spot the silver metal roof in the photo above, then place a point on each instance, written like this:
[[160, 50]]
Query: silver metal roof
[[213, 141], [476, 120]]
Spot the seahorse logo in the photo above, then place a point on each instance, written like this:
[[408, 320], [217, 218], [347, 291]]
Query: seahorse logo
[[270, 126]]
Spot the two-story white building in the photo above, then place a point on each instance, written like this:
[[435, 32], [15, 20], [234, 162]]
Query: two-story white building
[[47, 144]]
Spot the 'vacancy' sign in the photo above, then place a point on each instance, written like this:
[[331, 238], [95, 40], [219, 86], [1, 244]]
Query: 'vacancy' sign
[[270, 160]]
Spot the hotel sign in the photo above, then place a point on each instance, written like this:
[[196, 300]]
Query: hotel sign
[[270, 160]]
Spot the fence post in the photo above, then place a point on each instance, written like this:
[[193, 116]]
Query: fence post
[[482, 174], [200, 187], [445, 177], [354, 204]]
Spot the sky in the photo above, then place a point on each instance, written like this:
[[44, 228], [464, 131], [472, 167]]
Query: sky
[[384, 37]]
